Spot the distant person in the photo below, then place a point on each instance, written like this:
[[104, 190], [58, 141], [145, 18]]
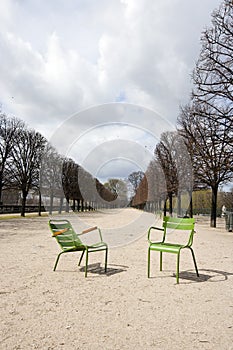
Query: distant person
[[224, 209]]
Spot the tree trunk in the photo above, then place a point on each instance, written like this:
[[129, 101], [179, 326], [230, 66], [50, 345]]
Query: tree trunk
[[165, 208], [214, 206], [73, 206], [67, 205], [24, 194], [159, 204], [0, 188], [190, 210], [179, 204], [170, 204], [51, 204], [61, 205], [39, 204]]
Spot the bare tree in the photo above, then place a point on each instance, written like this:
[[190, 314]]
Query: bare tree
[[86, 184], [210, 149], [164, 152], [157, 191], [70, 182], [207, 123], [9, 128], [135, 178], [51, 175], [82, 188], [25, 161], [118, 188], [227, 199], [140, 198], [151, 191], [104, 194], [212, 76]]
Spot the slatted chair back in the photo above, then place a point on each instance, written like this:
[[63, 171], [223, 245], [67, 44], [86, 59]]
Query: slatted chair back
[[64, 233], [180, 230]]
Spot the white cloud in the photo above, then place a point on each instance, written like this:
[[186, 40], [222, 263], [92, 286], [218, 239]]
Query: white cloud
[[59, 58], [111, 134]]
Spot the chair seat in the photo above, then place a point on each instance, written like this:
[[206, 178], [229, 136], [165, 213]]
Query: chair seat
[[97, 246], [166, 247], [79, 247], [73, 249]]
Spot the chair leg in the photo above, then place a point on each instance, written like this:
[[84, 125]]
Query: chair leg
[[81, 257], [106, 260], [57, 261], [161, 261], [177, 268], [194, 260], [148, 264], [86, 262]]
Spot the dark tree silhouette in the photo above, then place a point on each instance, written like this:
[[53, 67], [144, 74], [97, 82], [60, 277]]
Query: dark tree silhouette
[[211, 152], [25, 161], [207, 122], [164, 152], [135, 178], [212, 76], [9, 128]]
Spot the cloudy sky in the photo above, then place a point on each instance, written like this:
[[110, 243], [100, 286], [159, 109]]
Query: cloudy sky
[[62, 60]]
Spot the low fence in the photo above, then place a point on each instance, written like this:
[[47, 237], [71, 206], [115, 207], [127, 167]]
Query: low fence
[[15, 208], [154, 208]]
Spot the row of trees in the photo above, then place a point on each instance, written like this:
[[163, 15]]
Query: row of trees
[[196, 156], [200, 153], [21, 152], [124, 189], [29, 163], [206, 122]]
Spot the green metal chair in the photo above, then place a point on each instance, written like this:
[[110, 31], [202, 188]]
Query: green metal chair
[[70, 241], [170, 226]]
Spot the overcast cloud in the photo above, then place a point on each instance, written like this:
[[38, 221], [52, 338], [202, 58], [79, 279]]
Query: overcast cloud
[[62, 57]]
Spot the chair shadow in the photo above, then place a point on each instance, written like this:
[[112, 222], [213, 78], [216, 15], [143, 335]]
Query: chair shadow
[[98, 269], [208, 275]]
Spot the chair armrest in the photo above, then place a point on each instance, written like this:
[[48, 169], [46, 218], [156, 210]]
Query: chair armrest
[[91, 229], [56, 233], [153, 228]]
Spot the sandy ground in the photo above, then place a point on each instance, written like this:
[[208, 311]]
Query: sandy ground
[[123, 309]]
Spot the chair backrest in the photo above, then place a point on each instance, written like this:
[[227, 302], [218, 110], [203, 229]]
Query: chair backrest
[[64, 233], [172, 225]]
